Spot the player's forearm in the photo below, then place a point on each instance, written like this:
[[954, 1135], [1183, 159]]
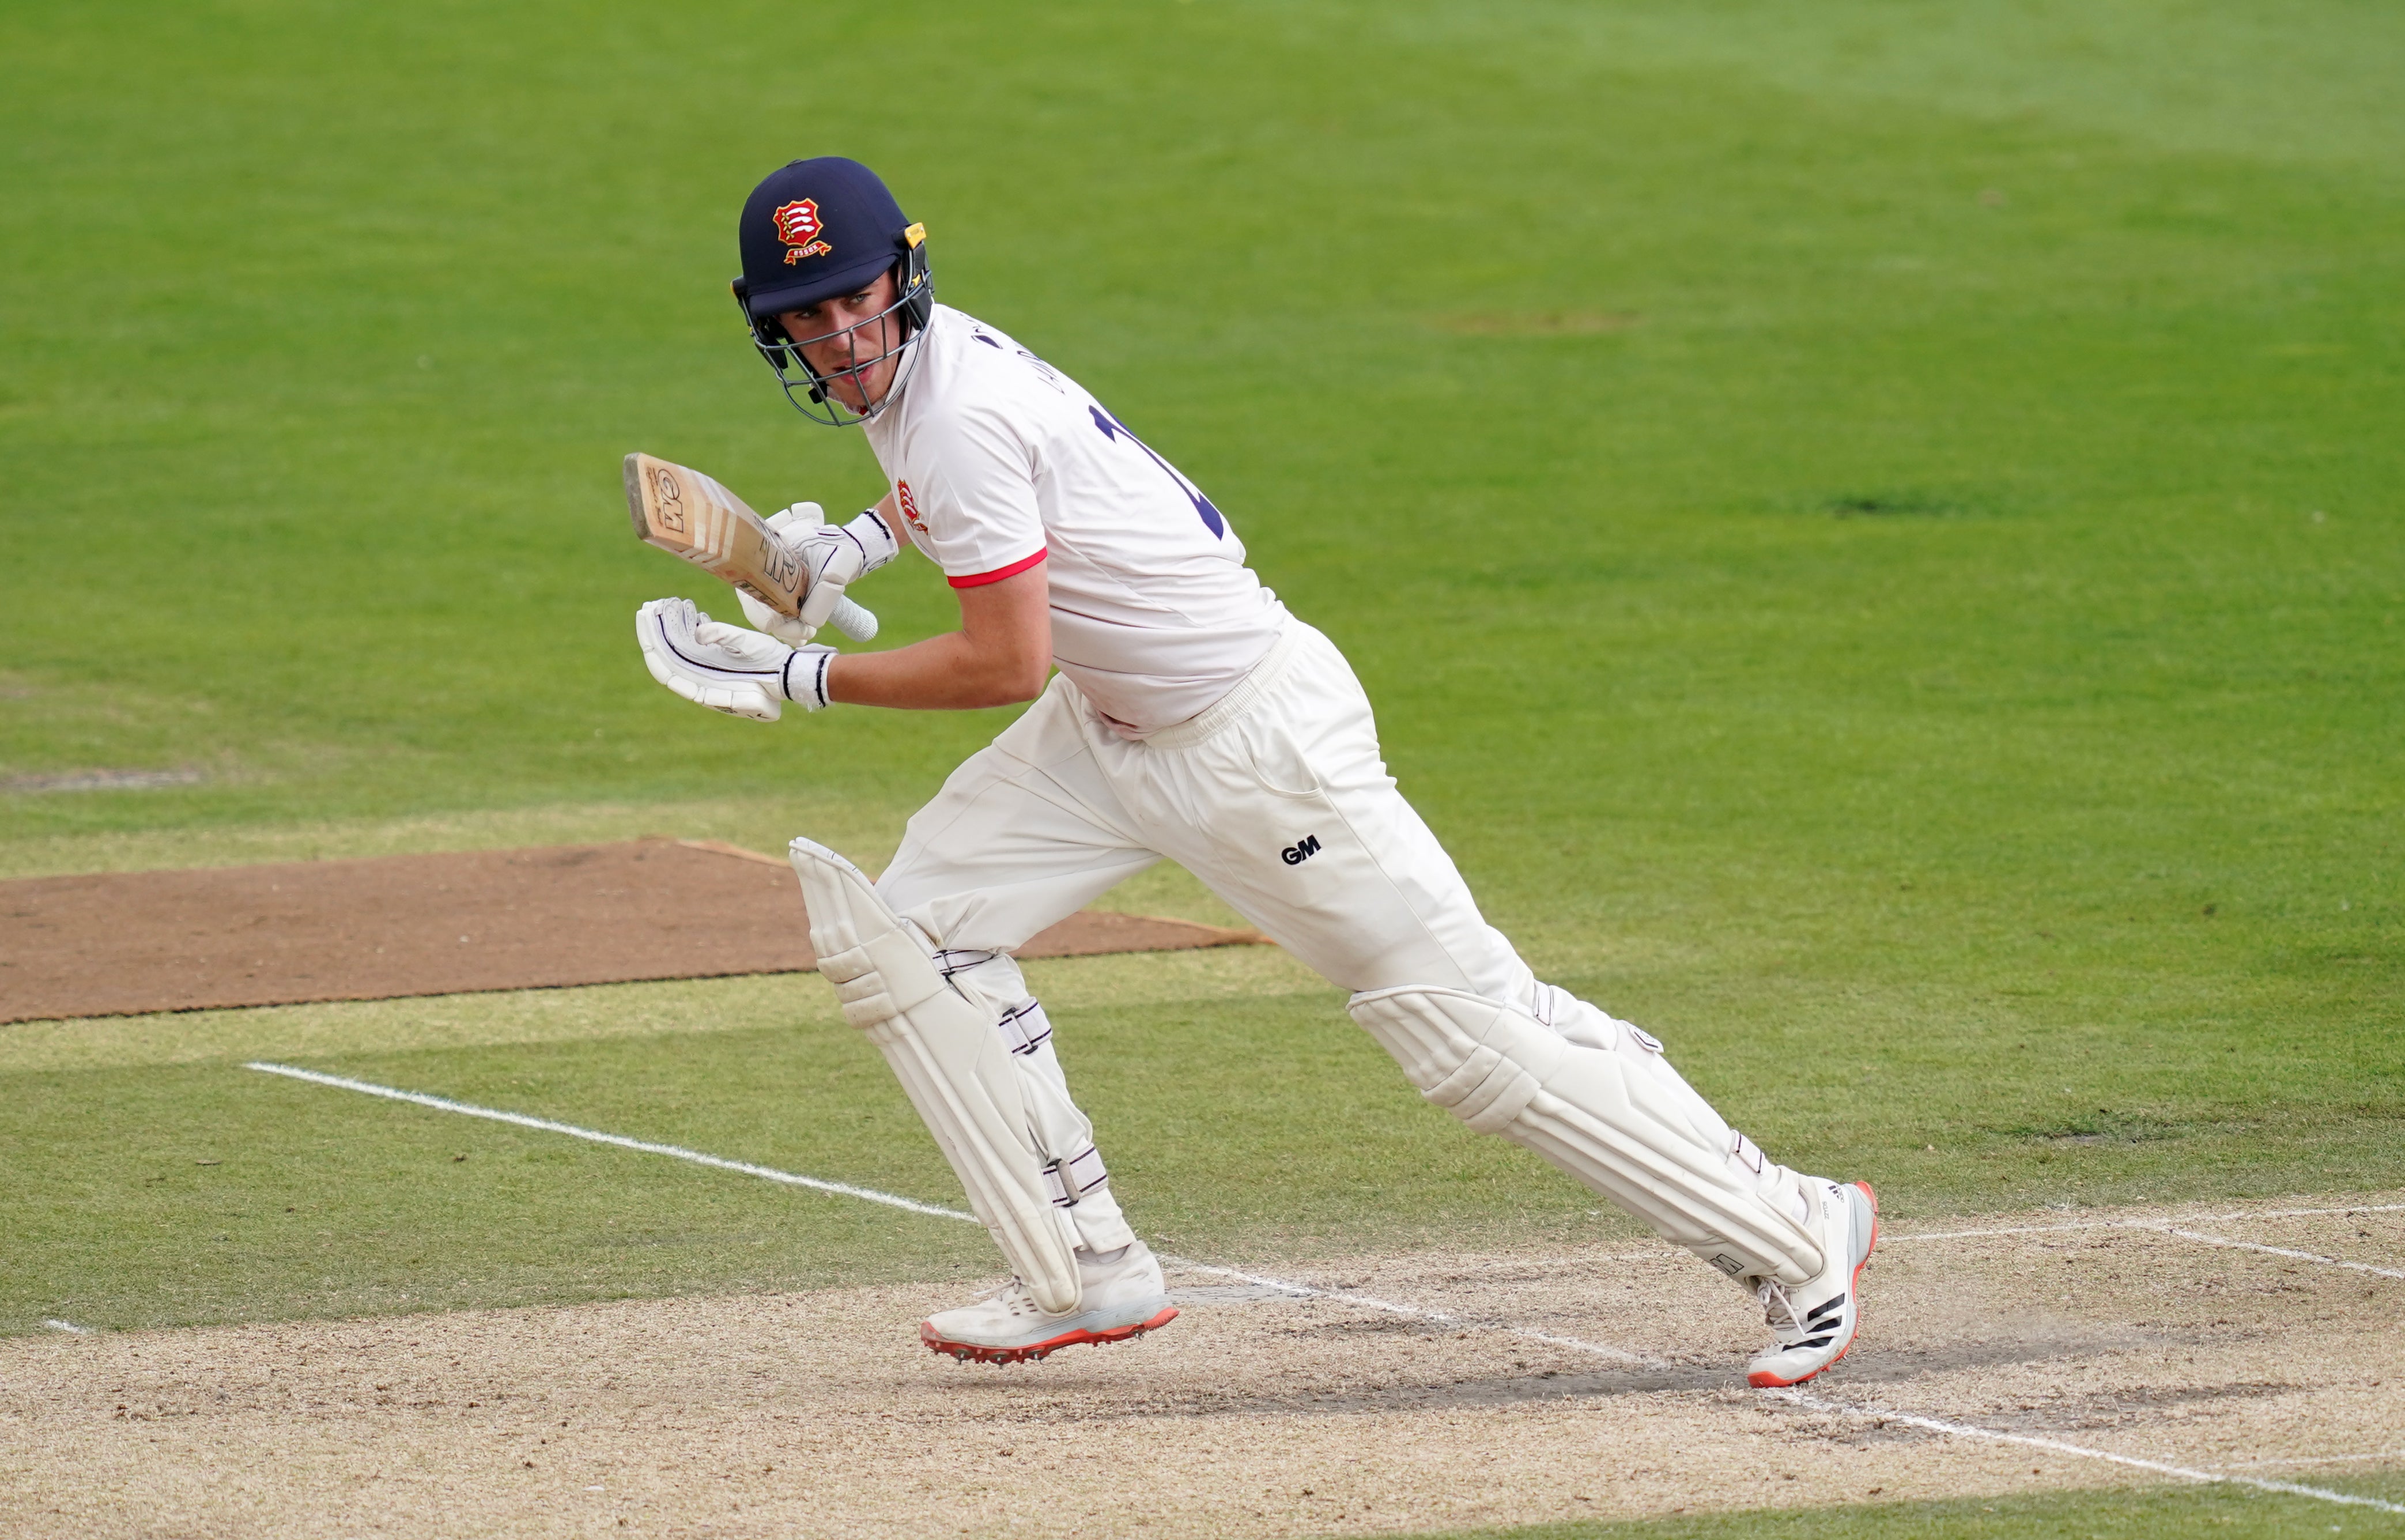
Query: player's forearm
[[948, 673]]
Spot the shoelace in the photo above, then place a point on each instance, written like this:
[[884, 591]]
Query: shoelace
[[1015, 1295], [1801, 1329]]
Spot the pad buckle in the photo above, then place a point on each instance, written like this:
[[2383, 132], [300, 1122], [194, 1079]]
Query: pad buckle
[[1071, 1180], [1025, 1027]]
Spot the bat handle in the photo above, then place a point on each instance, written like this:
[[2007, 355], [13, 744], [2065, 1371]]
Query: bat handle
[[854, 621]]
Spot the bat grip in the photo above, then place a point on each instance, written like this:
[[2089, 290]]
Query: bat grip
[[854, 621]]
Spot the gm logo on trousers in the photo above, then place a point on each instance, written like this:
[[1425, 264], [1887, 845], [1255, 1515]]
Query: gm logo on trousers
[[1294, 855]]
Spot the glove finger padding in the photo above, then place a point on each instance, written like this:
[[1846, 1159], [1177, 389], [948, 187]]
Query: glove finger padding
[[818, 604], [796, 522], [739, 677], [829, 559], [836, 557], [784, 628], [794, 527], [748, 647]]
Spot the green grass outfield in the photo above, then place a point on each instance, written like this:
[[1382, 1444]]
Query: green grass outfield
[[1874, 531], [2223, 1512]]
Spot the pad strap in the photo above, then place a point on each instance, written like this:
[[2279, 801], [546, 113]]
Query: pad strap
[[1025, 1027], [1073, 1179]]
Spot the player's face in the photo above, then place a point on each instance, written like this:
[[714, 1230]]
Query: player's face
[[839, 334]]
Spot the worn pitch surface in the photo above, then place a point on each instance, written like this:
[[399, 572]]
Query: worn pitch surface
[[130, 942], [1258, 1413]]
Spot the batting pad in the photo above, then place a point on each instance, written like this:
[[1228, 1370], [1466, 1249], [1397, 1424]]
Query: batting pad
[[952, 1064], [1619, 1120]]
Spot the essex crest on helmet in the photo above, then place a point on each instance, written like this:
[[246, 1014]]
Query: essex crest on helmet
[[798, 227], [812, 231]]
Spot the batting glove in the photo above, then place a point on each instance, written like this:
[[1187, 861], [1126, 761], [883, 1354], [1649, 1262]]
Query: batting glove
[[833, 556], [727, 668]]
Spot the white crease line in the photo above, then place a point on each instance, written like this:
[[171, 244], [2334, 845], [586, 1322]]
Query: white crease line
[[1347, 1296], [1966, 1430], [2165, 1228], [68, 1326], [2278, 1252], [2148, 1224], [2313, 1460], [1958, 1430], [444, 1104]]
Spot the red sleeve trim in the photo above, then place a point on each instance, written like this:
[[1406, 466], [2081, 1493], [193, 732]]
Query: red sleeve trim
[[981, 579]]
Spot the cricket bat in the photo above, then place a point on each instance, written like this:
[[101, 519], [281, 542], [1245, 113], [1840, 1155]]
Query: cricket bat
[[688, 515]]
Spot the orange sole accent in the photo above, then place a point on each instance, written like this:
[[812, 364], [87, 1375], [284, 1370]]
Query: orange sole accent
[[1765, 1380], [971, 1352]]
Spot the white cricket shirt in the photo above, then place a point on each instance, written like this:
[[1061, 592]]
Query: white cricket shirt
[[1000, 461]]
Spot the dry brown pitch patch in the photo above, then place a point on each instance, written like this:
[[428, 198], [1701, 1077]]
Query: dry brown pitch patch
[[391, 926], [1261, 1412]]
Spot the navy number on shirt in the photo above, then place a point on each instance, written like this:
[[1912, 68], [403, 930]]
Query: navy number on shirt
[[1113, 430]]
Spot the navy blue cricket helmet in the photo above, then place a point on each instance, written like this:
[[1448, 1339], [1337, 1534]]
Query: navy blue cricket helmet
[[813, 230]]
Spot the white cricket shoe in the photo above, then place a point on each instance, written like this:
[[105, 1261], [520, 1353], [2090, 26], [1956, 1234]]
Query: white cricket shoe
[[1121, 1295], [1813, 1324]]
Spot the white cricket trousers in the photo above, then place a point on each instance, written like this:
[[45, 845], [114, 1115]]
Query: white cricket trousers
[[1275, 797]]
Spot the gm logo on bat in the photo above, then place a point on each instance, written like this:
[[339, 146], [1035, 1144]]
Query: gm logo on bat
[[672, 500], [1294, 855]]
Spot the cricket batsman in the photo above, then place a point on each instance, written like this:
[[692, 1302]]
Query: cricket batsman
[[1193, 718]]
